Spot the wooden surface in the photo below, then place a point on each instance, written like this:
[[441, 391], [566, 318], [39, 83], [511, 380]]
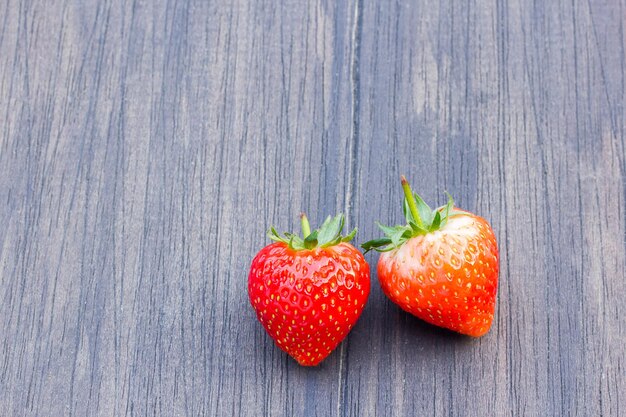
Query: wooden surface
[[145, 148]]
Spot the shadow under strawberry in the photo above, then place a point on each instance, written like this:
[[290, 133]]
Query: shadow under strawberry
[[423, 332]]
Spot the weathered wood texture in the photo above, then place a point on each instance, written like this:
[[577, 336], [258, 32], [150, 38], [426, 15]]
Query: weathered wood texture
[[146, 146]]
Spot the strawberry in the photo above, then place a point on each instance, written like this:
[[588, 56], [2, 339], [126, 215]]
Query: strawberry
[[442, 266], [309, 292]]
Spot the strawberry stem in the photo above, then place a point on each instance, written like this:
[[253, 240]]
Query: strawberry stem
[[408, 194], [306, 227]]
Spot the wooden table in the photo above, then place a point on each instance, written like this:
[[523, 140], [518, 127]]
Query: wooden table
[[146, 147]]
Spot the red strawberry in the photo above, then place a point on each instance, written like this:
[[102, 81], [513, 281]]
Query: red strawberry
[[308, 293], [441, 267]]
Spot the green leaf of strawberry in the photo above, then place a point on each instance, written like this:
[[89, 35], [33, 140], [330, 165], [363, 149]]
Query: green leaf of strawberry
[[420, 219], [442, 266], [329, 234], [309, 291]]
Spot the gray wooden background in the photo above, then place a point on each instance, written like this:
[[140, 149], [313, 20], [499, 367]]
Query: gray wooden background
[[146, 146]]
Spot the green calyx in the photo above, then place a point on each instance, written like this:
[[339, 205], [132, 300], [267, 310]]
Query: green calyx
[[420, 219], [329, 234]]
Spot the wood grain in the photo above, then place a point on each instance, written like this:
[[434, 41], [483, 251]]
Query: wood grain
[[145, 147]]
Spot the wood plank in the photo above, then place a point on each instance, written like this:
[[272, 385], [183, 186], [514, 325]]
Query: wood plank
[[148, 147], [516, 109]]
